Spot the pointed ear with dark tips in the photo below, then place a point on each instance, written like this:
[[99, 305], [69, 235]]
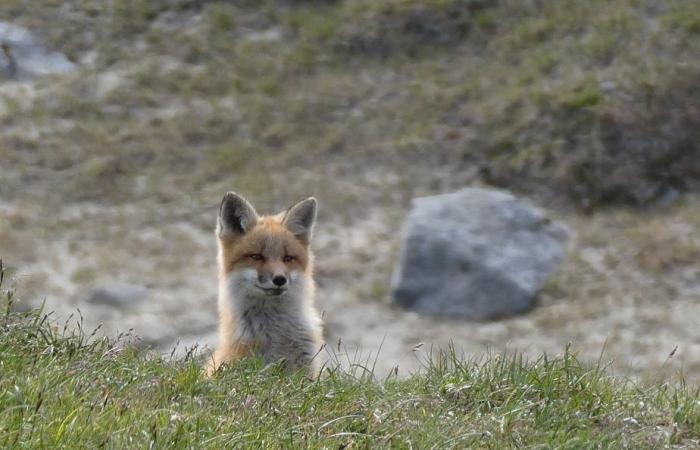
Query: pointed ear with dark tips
[[236, 216], [300, 219]]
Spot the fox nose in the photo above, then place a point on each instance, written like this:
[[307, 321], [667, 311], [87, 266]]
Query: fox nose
[[279, 280]]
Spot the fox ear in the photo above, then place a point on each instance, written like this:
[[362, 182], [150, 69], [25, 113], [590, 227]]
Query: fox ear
[[300, 218], [236, 216]]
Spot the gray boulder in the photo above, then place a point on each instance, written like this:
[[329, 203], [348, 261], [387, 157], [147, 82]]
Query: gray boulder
[[118, 295], [23, 56], [476, 254]]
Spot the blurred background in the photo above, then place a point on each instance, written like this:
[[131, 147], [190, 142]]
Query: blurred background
[[123, 122]]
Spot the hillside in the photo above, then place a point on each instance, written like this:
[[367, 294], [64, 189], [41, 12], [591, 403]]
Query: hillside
[[113, 173], [545, 97]]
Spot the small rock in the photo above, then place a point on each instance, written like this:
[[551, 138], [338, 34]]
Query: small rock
[[269, 35], [23, 56], [122, 294], [106, 83], [476, 254]]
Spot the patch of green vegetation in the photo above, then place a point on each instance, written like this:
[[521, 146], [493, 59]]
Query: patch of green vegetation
[[683, 16], [401, 28], [231, 157], [222, 17], [83, 275], [72, 390], [313, 23], [583, 98]]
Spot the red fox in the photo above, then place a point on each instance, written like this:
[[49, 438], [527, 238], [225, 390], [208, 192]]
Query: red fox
[[266, 286]]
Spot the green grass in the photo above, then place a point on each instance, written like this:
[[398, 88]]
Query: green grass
[[62, 389]]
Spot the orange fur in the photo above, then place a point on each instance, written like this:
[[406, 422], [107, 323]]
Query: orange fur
[[271, 249], [269, 238]]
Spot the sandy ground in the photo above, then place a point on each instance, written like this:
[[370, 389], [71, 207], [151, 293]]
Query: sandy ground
[[629, 292]]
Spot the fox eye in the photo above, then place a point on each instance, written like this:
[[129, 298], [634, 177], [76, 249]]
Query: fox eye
[[256, 256], [288, 258]]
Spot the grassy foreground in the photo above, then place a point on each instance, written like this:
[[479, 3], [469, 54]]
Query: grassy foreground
[[60, 389]]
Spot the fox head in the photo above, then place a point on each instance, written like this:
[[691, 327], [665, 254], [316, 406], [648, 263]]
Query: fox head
[[265, 256]]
